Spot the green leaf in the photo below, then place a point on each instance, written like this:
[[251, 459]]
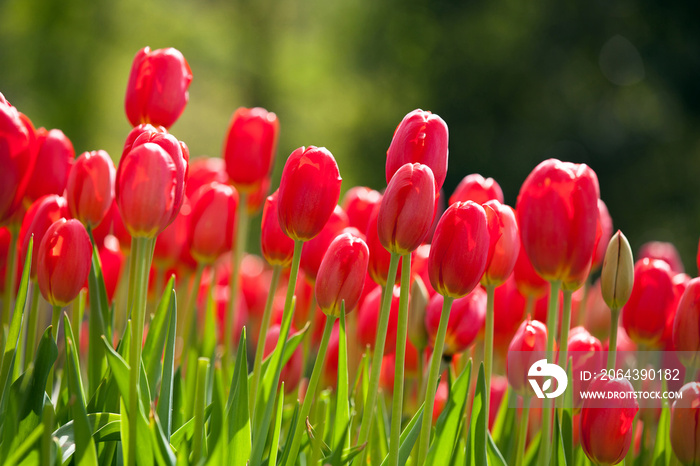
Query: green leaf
[[378, 443], [239, 429], [158, 332], [567, 418], [477, 443], [342, 404], [558, 454], [26, 445], [105, 427], [163, 450], [662, 448], [505, 425], [408, 437], [165, 398], [450, 420], [277, 429], [217, 441], [98, 320], [532, 451], [494, 455], [317, 442], [184, 433]]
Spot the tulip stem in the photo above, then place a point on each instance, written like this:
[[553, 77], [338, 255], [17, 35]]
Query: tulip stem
[[552, 314], [190, 315], [240, 236], [310, 391], [435, 359], [200, 401], [377, 356], [565, 324], [141, 250], [612, 345], [488, 345], [32, 325], [10, 276], [522, 432], [55, 320], [260, 348], [399, 362]]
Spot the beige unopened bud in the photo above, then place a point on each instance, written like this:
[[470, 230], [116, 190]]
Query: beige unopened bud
[[416, 311], [617, 275]]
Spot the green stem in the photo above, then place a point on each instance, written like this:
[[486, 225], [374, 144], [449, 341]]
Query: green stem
[[32, 324], [47, 419], [10, 275], [189, 320], [141, 255], [200, 399], [401, 335], [341, 436], [77, 309], [435, 359], [522, 432], [552, 314], [308, 398], [240, 236], [689, 375], [612, 346], [55, 315], [260, 348], [380, 341], [488, 345], [565, 324]]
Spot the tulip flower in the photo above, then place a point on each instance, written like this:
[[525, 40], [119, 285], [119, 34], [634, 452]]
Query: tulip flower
[[54, 160], [90, 187], [508, 312], [342, 274], [368, 318], [309, 191], [527, 346], [504, 243], [476, 188], [664, 251], [174, 240], [112, 261], [379, 257], [406, 210], [466, 320], [212, 221], [606, 230], [529, 283], [685, 424], [315, 248], [250, 145], [157, 89], [606, 424], [255, 199], [686, 337], [203, 171], [419, 266], [587, 355], [276, 246], [358, 203], [64, 259], [43, 213], [421, 137]]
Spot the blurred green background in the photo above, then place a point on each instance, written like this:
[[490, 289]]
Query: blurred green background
[[612, 83]]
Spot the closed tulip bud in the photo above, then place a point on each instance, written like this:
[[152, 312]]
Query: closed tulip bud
[[212, 222], [664, 251], [157, 88], [43, 213], [617, 275], [54, 160], [459, 250], [466, 320], [203, 171], [605, 230], [309, 191], [341, 275], [476, 188], [606, 424], [368, 319], [557, 215], [90, 187], [407, 208], [421, 137], [358, 203], [417, 308], [277, 248], [504, 243], [315, 249], [586, 353], [64, 259], [527, 347], [651, 302], [685, 424], [686, 337], [250, 145]]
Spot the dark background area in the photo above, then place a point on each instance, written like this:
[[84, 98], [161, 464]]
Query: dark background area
[[614, 84]]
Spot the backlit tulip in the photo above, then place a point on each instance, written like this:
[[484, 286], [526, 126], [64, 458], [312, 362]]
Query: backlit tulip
[[358, 203], [421, 137], [527, 346], [277, 248], [157, 89], [508, 312], [203, 171], [685, 424], [315, 249], [212, 222], [379, 257], [112, 261], [249, 149], [174, 239], [605, 227], [459, 250], [255, 199], [466, 320], [309, 191], [90, 187], [342, 274], [606, 423], [504, 243], [43, 213], [529, 283], [686, 325], [54, 160], [368, 318], [64, 259], [406, 210], [664, 251], [294, 369], [476, 188], [557, 215], [586, 354]]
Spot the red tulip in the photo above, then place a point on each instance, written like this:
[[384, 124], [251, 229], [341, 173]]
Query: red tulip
[[528, 282], [17, 158], [508, 312], [476, 188], [504, 243], [293, 371], [459, 250], [661, 250], [255, 199], [112, 261], [606, 424], [441, 397], [316, 248], [419, 267], [90, 188], [54, 160], [586, 354], [528, 346], [358, 203], [43, 213], [4, 252], [407, 208], [342, 274], [685, 424], [379, 257], [368, 318], [606, 231], [203, 171], [557, 215], [309, 191], [157, 88], [212, 222], [466, 320], [174, 239], [421, 137], [249, 149], [649, 307], [64, 259], [277, 248], [686, 325]]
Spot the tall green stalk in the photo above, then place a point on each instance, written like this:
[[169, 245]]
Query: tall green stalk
[[612, 346], [565, 324], [200, 401], [522, 432], [488, 345], [552, 314], [30, 342], [240, 237]]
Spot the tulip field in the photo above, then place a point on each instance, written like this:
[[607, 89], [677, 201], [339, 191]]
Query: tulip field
[[401, 325]]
